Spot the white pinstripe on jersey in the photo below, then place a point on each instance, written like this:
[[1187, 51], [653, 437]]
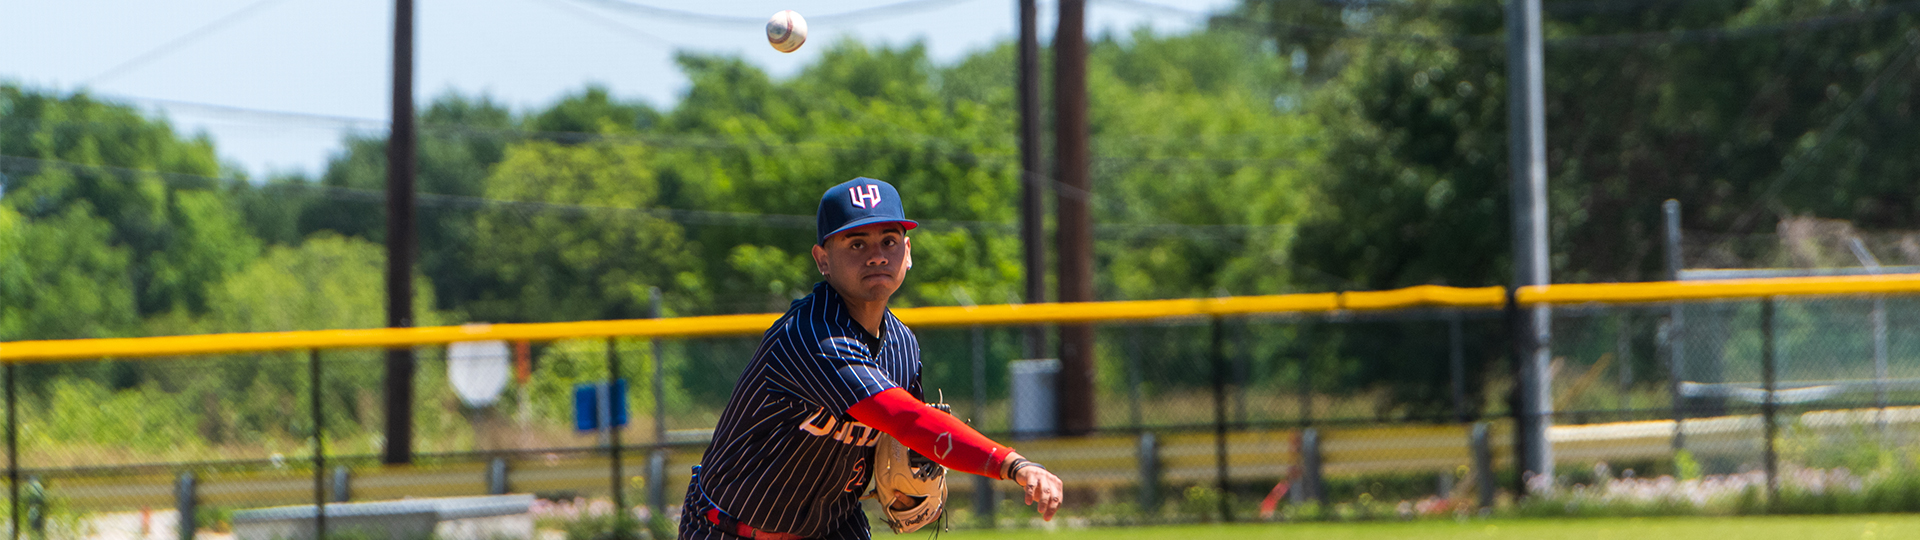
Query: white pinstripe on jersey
[[770, 468]]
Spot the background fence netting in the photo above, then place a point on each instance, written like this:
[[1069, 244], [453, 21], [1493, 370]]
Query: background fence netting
[[1737, 404]]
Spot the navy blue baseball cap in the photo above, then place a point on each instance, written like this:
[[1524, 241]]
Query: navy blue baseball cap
[[860, 202]]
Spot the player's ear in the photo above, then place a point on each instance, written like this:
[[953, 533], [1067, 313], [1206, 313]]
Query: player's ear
[[820, 259], [909, 248]]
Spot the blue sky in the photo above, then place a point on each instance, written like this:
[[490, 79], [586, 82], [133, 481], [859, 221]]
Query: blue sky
[[330, 58]]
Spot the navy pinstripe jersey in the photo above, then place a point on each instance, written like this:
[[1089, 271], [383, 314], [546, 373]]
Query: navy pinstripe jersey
[[786, 456]]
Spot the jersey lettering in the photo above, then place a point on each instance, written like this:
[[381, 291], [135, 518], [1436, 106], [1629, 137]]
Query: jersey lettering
[[786, 457], [821, 424]]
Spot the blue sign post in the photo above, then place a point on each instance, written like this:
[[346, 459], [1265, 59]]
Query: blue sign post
[[595, 402]]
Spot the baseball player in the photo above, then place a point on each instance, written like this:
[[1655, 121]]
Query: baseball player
[[794, 449]]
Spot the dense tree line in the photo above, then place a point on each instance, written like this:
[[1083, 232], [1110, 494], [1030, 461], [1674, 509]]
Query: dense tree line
[[1288, 147]]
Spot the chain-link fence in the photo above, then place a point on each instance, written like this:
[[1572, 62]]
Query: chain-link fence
[[1770, 404]]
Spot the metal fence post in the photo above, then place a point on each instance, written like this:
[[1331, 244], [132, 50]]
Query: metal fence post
[[184, 503], [342, 484], [1674, 329], [1482, 464], [1312, 468], [1241, 372], [1134, 380], [319, 448], [497, 476], [1667, 341], [1879, 317], [657, 459], [1516, 406], [13, 447], [657, 483], [1218, 354], [1623, 354], [1306, 379], [1457, 365], [983, 492], [1149, 460], [613, 439], [1769, 365]]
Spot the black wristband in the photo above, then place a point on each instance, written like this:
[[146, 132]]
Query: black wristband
[[1021, 463]]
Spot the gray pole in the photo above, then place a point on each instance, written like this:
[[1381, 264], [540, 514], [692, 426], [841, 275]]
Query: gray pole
[[400, 173], [1623, 354], [983, 493], [1527, 156], [617, 483], [13, 449], [659, 374], [1879, 321], [1676, 328], [1880, 360], [1217, 353], [1457, 366], [1134, 380], [319, 446], [657, 459], [1769, 365]]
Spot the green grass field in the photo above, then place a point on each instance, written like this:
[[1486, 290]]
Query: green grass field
[[1876, 526]]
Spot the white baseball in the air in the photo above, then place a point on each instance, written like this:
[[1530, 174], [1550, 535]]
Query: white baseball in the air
[[786, 31]]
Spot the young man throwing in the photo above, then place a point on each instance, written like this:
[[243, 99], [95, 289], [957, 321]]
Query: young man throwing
[[794, 450]]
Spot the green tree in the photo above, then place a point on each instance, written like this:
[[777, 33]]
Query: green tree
[[326, 282], [156, 190], [1712, 104], [1201, 176], [460, 139], [771, 147], [577, 240], [61, 277]]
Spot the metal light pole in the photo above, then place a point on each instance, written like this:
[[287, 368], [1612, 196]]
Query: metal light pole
[[1527, 156]]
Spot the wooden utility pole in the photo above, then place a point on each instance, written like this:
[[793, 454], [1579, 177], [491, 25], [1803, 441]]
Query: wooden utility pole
[[1033, 184], [400, 239], [1072, 150]]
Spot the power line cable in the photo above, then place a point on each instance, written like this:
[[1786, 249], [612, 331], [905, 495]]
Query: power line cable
[[676, 140], [181, 41], [676, 215], [262, 115], [1622, 40], [578, 11], [1559, 8], [855, 16]]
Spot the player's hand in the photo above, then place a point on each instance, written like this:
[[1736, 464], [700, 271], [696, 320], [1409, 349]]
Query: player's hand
[[1044, 490]]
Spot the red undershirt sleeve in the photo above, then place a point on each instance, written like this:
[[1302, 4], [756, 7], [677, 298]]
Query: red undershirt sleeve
[[932, 433]]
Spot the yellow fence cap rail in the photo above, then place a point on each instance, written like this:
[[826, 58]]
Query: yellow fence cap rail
[[994, 315], [54, 350], [1668, 291], [1424, 296]]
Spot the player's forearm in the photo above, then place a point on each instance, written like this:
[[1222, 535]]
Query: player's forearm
[[934, 434]]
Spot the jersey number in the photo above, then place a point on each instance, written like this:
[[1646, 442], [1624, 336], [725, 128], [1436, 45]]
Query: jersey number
[[859, 471]]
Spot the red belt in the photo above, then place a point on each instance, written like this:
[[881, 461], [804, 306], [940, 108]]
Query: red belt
[[730, 525]]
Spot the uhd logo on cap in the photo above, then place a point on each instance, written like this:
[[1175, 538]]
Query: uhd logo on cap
[[860, 202], [867, 196]]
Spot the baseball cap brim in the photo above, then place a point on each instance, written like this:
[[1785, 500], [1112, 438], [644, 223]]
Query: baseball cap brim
[[862, 222]]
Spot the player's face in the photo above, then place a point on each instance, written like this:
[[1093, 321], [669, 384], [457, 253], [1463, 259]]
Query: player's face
[[867, 263]]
